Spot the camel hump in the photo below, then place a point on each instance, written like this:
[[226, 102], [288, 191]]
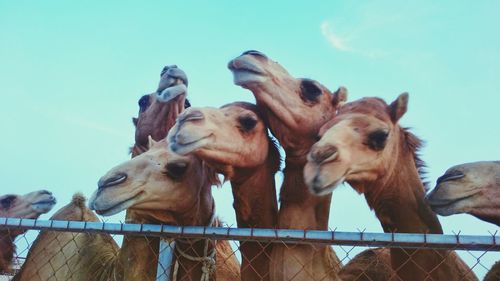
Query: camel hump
[[79, 200]]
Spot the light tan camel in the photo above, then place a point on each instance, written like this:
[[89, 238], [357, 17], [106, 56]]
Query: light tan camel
[[28, 206], [172, 189], [295, 109], [365, 146], [471, 188], [137, 258], [71, 256], [234, 140]]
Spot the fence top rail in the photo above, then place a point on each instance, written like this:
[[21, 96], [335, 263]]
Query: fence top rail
[[407, 240]]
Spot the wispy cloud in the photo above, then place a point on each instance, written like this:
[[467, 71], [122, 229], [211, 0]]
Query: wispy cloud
[[337, 41], [344, 41]]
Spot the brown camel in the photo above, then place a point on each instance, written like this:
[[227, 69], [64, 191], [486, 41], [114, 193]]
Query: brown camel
[[71, 256], [234, 140], [28, 206], [172, 189], [157, 114], [494, 273], [158, 110], [472, 188], [365, 146], [295, 109]]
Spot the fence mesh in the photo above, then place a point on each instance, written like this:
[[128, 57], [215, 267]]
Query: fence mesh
[[61, 250]]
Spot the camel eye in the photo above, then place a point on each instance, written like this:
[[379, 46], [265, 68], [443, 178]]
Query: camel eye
[[143, 103], [377, 139], [176, 169], [310, 90], [247, 122], [6, 202]]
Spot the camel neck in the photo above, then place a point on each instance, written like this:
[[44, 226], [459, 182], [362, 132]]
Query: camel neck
[[189, 251], [254, 193], [7, 248], [300, 209], [399, 203], [157, 121]]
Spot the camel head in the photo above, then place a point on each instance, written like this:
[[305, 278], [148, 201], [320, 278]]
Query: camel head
[[158, 183], [472, 188], [357, 146], [296, 108], [158, 111], [233, 136], [28, 206], [76, 210]]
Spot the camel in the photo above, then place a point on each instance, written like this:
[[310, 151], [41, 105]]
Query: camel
[[157, 114], [295, 109], [494, 273], [71, 256], [472, 188], [28, 206], [171, 189], [234, 140], [158, 110], [365, 146]]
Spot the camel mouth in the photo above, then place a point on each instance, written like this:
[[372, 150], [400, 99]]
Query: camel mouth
[[45, 205], [187, 147], [446, 206], [320, 190], [118, 207], [171, 93], [245, 70]]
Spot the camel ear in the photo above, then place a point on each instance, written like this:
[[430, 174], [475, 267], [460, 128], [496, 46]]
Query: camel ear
[[135, 120], [398, 107], [339, 97], [151, 142]]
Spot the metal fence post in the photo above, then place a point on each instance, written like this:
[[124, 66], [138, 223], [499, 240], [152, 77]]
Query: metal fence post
[[165, 259]]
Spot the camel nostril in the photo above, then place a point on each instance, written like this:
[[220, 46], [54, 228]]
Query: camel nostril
[[45, 192], [192, 115], [254, 53], [320, 154], [111, 181]]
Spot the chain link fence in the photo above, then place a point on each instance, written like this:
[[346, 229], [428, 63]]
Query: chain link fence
[[76, 250]]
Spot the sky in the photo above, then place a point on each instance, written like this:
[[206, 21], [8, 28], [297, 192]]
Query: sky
[[71, 74]]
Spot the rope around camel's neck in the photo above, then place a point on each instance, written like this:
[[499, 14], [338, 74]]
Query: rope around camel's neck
[[207, 260]]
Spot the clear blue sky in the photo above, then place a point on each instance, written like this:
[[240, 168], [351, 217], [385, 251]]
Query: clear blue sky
[[71, 74]]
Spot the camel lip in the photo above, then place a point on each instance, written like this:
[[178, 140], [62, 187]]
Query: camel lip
[[326, 189], [118, 207], [442, 203], [50, 201], [171, 92], [243, 64], [187, 147]]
